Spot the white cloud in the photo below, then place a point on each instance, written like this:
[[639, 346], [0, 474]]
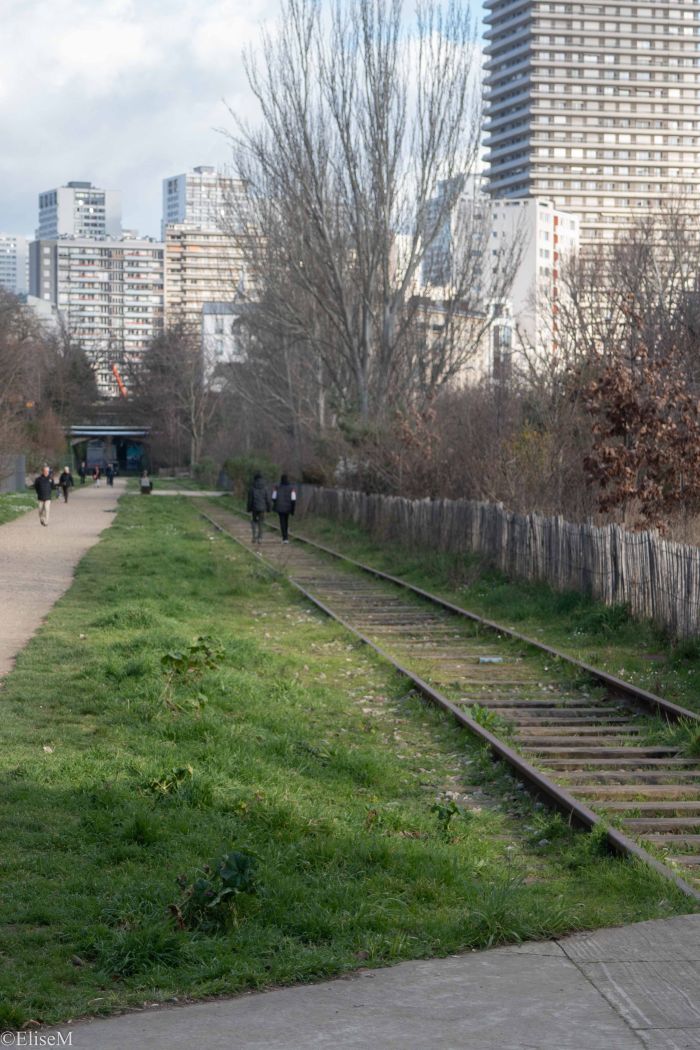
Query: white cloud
[[122, 92]]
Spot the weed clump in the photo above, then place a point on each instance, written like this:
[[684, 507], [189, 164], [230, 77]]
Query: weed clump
[[444, 812], [208, 903]]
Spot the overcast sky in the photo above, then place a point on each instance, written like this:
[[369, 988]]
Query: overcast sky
[[122, 93]]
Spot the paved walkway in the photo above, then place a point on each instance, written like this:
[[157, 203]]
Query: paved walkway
[[37, 563], [621, 989]]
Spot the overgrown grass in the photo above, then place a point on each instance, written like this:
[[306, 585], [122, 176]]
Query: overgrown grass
[[605, 636], [15, 503], [182, 704]]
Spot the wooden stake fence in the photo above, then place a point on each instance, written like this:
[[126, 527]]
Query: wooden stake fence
[[656, 578]]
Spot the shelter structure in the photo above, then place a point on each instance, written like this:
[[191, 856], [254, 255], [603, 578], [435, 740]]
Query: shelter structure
[[127, 448]]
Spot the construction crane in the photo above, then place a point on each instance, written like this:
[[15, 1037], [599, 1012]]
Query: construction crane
[[120, 381]]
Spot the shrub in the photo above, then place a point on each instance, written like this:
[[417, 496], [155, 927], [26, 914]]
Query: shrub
[[208, 902], [240, 469]]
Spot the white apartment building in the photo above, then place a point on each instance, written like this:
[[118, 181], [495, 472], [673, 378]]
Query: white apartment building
[[14, 263], [109, 295], [79, 209], [200, 197], [547, 239], [594, 106], [220, 341], [528, 234]]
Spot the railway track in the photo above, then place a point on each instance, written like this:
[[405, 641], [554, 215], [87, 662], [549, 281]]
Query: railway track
[[579, 737]]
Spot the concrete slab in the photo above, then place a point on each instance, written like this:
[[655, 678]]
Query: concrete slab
[[496, 1000], [670, 1039], [660, 994], [673, 939], [650, 975]]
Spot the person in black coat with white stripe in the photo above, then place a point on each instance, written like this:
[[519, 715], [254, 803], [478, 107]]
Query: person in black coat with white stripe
[[284, 501]]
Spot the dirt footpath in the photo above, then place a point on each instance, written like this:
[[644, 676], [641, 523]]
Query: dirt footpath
[[37, 563]]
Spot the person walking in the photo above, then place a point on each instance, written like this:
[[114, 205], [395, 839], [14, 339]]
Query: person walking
[[109, 472], [258, 505], [82, 472], [96, 472], [65, 482], [43, 486], [145, 484], [284, 501]]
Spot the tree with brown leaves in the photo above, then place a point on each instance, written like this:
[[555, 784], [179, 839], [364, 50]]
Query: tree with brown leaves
[[645, 457]]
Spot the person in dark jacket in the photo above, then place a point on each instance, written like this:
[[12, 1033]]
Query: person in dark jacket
[[109, 472], [284, 501], [82, 471], [258, 505], [43, 486], [65, 482]]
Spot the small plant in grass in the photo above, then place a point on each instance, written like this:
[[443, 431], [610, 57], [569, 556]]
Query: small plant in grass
[[548, 827], [445, 811], [685, 735], [171, 782], [184, 665], [208, 902], [491, 721], [692, 746], [204, 653]]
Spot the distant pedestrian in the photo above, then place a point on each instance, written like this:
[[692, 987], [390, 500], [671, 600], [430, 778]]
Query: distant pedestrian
[[65, 482], [258, 505], [284, 501], [96, 473], [109, 474], [82, 472], [145, 484], [43, 486]]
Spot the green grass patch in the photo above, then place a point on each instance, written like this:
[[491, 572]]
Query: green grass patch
[[15, 503], [207, 787], [604, 636]]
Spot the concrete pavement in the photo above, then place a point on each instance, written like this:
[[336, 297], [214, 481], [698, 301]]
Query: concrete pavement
[[37, 564], [621, 989]]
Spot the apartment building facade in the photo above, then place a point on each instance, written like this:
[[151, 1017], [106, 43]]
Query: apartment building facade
[[201, 197], [594, 106], [79, 209], [14, 263], [527, 238], [201, 266], [547, 238], [109, 295]]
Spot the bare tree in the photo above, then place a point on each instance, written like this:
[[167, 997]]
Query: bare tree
[[170, 388], [639, 289], [366, 115], [20, 367], [69, 384]]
